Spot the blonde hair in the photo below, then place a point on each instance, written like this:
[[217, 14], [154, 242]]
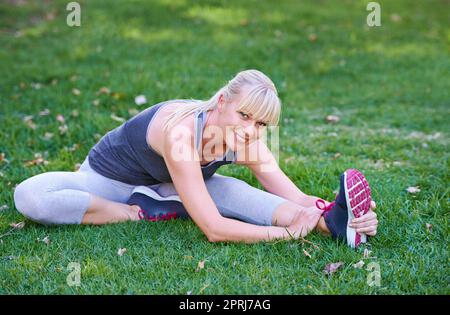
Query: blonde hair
[[261, 99]]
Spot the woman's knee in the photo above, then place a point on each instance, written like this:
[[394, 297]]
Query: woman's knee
[[27, 199]]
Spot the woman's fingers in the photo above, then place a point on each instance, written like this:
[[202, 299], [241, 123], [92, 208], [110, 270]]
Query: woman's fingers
[[373, 222], [367, 230], [373, 205], [370, 215]]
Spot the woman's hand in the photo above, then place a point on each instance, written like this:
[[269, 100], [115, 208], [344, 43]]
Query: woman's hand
[[367, 223], [304, 221]]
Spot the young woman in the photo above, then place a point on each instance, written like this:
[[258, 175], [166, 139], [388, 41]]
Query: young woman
[[161, 164]]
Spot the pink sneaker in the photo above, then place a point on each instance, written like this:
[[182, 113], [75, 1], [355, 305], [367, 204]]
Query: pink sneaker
[[352, 201]]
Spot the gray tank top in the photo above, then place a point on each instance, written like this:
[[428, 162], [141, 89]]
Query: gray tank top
[[123, 153]]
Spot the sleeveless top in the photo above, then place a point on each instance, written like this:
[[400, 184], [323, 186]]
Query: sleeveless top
[[123, 153]]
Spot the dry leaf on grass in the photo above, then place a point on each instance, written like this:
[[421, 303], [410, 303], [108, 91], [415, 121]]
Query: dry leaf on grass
[[332, 268], [117, 118], [60, 118], [201, 265], [45, 240], [4, 207], [413, 190], [332, 119], [140, 100], [76, 91], [121, 251], [359, 264], [17, 226], [38, 160], [367, 253], [103, 90], [429, 227], [44, 112], [28, 120], [306, 254]]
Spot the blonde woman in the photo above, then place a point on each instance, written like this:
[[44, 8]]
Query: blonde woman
[[161, 164]]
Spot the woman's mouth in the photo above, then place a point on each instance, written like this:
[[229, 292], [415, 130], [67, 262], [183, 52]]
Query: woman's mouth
[[239, 138]]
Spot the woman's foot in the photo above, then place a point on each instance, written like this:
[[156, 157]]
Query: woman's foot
[[352, 201], [153, 207]]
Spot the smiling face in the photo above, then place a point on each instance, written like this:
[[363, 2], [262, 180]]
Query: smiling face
[[239, 126]]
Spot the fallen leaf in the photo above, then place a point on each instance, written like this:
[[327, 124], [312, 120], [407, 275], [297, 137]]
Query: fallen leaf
[[38, 159], [46, 240], [312, 37], [47, 136], [201, 265], [359, 264], [118, 95], [17, 226], [140, 100], [121, 251], [306, 254], [63, 129], [366, 253], [72, 148], [4, 207], [336, 155], [413, 190], [332, 268], [96, 102], [395, 17], [44, 112], [28, 120], [332, 119], [76, 91], [117, 118], [429, 227], [36, 86], [60, 118], [103, 90]]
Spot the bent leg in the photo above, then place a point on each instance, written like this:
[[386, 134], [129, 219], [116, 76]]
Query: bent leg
[[73, 198]]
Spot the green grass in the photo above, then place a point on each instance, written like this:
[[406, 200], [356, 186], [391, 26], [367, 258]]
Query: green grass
[[389, 85]]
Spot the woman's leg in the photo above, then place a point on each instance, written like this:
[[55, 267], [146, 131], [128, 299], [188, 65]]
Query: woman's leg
[[73, 198], [237, 199]]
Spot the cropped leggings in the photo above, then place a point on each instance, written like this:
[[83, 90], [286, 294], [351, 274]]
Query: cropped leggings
[[63, 197]]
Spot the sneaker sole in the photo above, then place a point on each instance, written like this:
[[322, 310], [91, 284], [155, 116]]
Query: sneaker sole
[[153, 194], [358, 197]]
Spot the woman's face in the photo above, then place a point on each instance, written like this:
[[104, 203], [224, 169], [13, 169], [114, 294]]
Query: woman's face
[[239, 128]]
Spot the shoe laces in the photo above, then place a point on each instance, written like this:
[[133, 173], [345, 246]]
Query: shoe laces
[[153, 218], [321, 204]]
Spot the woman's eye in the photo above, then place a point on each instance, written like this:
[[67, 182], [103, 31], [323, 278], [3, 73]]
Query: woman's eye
[[262, 124], [244, 115]]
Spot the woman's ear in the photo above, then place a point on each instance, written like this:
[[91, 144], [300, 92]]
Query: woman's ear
[[220, 103]]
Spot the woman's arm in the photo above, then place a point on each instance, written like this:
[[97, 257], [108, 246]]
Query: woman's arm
[[182, 162], [272, 178]]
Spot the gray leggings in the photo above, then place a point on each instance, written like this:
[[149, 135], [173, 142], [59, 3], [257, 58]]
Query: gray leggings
[[63, 197]]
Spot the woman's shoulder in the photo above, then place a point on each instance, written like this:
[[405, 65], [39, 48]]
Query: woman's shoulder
[[156, 132]]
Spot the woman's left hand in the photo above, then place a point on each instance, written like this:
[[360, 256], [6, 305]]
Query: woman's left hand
[[367, 223]]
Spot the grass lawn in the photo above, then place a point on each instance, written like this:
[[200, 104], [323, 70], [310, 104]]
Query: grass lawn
[[388, 85]]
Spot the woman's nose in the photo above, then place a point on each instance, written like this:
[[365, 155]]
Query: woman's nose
[[250, 130]]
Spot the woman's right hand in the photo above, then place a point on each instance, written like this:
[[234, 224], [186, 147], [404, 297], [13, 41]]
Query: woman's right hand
[[304, 221]]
